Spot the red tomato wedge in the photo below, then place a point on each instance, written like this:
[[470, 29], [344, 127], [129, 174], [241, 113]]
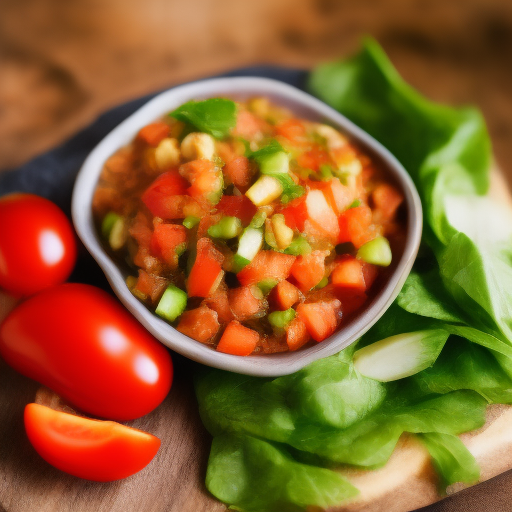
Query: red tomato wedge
[[37, 244], [206, 272], [166, 185], [201, 324], [154, 133], [102, 451], [238, 340], [237, 206], [266, 265], [321, 318], [309, 269], [78, 341]]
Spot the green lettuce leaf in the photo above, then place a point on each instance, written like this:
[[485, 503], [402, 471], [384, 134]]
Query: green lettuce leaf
[[269, 149], [254, 475], [371, 441], [215, 116], [314, 392], [304, 411], [465, 365], [453, 461], [480, 277], [425, 295]]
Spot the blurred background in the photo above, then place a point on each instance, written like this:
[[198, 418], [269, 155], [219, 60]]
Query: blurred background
[[64, 62]]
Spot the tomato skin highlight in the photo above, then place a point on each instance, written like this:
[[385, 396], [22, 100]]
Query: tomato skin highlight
[[82, 344], [102, 451], [37, 244]]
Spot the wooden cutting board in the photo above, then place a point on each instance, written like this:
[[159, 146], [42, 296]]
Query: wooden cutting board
[[174, 480]]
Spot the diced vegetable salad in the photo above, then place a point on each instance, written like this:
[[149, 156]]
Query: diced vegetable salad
[[248, 229]]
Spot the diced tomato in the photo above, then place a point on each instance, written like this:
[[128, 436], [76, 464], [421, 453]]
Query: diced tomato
[[225, 151], [204, 184], [219, 302], [201, 324], [237, 206], [141, 230], [309, 269], [206, 222], [370, 273], [238, 340], [206, 273], [150, 285], [321, 318], [195, 168], [387, 199], [354, 226], [179, 207], [321, 215], [314, 158], [295, 214], [166, 239], [338, 196], [284, 295], [296, 334], [291, 129], [368, 170], [154, 133], [344, 155], [348, 274], [244, 304], [205, 179], [351, 300], [239, 172], [266, 265], [273, 344], [247, 125], [166, 185]]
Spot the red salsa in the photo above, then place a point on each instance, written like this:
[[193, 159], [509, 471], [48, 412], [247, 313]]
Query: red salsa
[[248, 229]]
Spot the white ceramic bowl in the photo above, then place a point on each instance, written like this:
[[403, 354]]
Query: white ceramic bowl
[[303, 105]]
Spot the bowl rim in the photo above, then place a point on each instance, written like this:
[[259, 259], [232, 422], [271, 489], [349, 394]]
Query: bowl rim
[[303, 105]]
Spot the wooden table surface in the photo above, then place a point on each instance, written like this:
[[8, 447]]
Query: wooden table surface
[[63, 63]]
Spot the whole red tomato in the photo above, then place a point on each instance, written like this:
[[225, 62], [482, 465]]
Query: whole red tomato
[[96, 450], [82, 344], [37, 244]]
